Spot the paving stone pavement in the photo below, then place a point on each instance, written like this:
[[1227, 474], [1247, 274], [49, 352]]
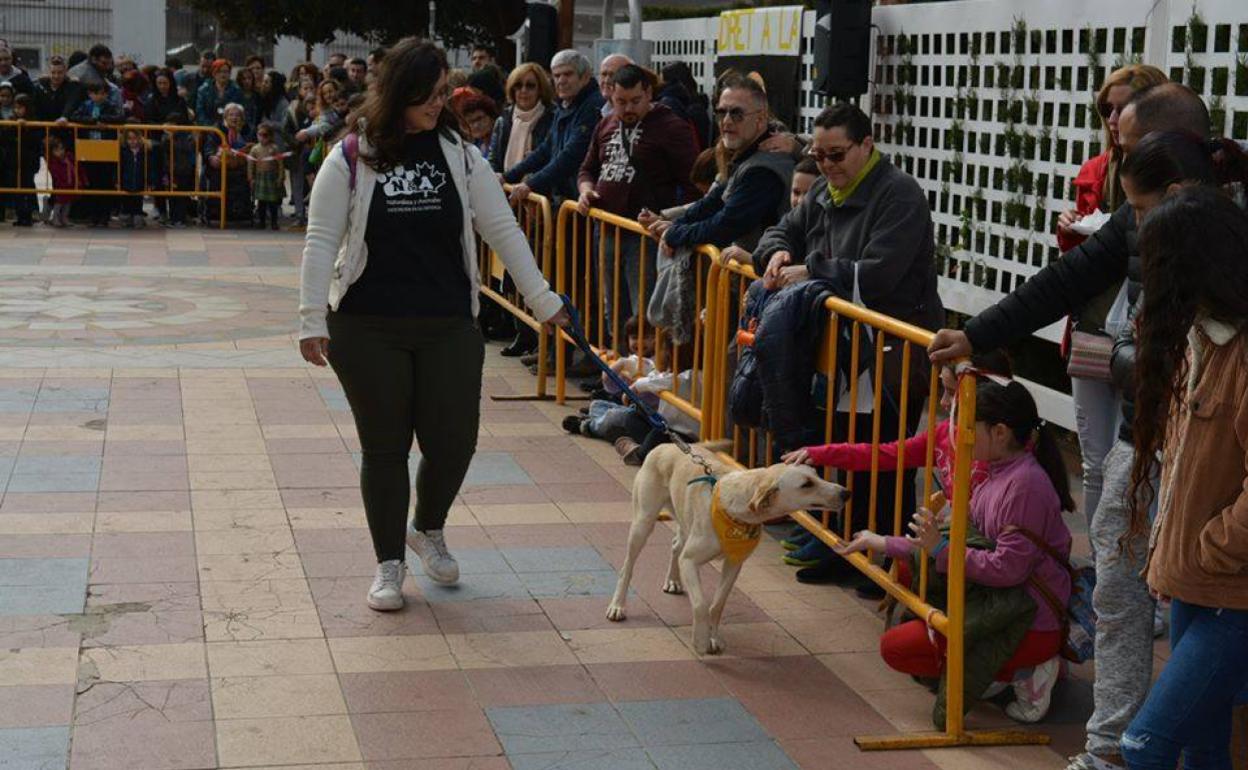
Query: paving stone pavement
[[183, 562]]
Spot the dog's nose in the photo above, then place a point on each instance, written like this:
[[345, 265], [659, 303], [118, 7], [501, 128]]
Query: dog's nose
[[845, 495]]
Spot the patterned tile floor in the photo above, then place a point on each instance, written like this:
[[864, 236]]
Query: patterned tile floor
[[183, 560]]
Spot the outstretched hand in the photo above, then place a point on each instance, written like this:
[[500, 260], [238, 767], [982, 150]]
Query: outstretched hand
[[863, 541], [797, 457]]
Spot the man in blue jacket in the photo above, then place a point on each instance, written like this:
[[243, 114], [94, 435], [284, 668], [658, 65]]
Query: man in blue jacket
[[551, 169]]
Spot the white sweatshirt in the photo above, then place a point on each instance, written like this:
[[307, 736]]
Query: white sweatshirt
[[334, 252]]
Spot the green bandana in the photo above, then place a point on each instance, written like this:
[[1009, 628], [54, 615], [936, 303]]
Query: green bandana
[[841, 194]]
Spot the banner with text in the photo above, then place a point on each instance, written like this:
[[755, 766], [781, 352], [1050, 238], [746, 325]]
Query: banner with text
[[767, 41]]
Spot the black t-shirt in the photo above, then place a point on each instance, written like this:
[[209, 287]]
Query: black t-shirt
[[415, 255]]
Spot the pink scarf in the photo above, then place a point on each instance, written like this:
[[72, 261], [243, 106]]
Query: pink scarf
[[520, 143]]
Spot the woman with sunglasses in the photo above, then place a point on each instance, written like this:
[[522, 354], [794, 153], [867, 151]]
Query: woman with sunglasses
[[389, 299], [1098, 188], [525, 121], [521, 128]]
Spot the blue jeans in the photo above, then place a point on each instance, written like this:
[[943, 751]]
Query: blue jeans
[[610, 421], [1189, 710], [632, 301]]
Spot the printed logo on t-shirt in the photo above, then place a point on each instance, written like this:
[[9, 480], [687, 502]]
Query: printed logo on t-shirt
[[618, 166], [412, 190]]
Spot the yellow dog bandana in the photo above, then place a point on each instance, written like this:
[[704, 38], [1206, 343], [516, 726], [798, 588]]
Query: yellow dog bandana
[[736, 540]]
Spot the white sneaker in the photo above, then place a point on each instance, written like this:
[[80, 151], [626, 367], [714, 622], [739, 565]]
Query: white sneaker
[[430, 546], [1033, 694], [386, 595], [994, 689], [1088, 761]]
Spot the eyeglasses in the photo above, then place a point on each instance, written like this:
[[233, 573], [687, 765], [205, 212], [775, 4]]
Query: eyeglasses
[[834, 156], [735, 114], [1106, 109], [442, 94], [527, 85]]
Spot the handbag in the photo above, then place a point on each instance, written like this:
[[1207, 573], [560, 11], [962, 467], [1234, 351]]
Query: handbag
[[1077, 617], [1090, 352]]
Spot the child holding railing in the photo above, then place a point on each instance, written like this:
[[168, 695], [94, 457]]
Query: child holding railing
[[1018, 508], [857, 457]]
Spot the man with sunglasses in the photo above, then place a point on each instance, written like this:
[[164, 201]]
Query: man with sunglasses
[[862, 233], [753, 197], [867, 231]]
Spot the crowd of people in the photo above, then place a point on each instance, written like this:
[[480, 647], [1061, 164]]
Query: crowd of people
[[276, 128], [393, 161]]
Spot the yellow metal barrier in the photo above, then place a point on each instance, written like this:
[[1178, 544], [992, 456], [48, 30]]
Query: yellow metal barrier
[[91, 150], [888, 332], [576, 258], [896, 348], [534, 217]]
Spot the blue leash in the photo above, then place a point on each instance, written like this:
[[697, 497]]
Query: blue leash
[[577, 333], [656, 421]]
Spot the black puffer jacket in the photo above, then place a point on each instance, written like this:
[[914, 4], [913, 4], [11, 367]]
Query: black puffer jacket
[[784, 347], [1122, 370], [1064, 286]]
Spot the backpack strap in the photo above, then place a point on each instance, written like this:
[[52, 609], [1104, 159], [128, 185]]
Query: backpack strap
[[1042, 545], [1062, 612], [351, 151]]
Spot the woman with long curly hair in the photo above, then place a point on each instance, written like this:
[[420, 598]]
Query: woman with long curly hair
[[390, 296], [1191, 409]]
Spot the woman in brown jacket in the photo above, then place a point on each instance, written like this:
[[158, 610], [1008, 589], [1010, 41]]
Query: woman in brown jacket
[[1192, 408]]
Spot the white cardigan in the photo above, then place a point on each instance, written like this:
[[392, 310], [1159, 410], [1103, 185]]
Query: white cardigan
[[334, 252]]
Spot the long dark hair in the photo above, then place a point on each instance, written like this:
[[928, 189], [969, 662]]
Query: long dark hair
[[1163, 158], [1011, 405], [1192, 246], [278, 91], [408, 75]]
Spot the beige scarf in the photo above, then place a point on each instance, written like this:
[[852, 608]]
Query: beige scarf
[[520, 143]]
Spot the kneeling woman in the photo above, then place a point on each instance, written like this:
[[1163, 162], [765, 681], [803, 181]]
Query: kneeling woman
[[389, 300], [1017, 507]]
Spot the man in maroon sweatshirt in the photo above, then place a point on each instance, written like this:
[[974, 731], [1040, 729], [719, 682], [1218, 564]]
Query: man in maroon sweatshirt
[[639, 158]]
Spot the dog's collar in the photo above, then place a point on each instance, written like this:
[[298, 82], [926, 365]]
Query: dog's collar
[[736, 538], [707, 479]]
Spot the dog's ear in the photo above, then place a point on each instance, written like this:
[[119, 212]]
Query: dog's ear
[[764, 495]]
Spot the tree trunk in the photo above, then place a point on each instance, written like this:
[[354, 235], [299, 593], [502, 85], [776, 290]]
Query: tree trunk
[[567, 17], [307, 51], [1239, 739]]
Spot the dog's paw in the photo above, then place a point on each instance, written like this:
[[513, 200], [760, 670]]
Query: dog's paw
[[714, 646], [673, 587], [616, 613]]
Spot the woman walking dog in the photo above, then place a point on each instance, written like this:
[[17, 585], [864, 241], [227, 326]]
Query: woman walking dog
[[389, 300]]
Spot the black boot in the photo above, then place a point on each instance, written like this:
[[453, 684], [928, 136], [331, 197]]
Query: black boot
[[524, 343]]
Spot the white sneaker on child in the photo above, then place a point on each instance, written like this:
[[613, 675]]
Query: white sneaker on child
[[1033, 694], [430, 546], [386, 593]]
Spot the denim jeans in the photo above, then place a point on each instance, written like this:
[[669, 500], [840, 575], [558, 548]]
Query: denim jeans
[[610, 421], [1189, 710], [632, 301]]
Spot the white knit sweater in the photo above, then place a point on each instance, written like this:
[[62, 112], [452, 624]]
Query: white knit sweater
[[334, 252]]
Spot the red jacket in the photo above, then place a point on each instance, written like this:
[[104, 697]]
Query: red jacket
[[1089, 187]]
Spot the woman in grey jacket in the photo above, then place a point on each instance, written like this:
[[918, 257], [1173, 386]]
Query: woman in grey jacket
[[389, 300]]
